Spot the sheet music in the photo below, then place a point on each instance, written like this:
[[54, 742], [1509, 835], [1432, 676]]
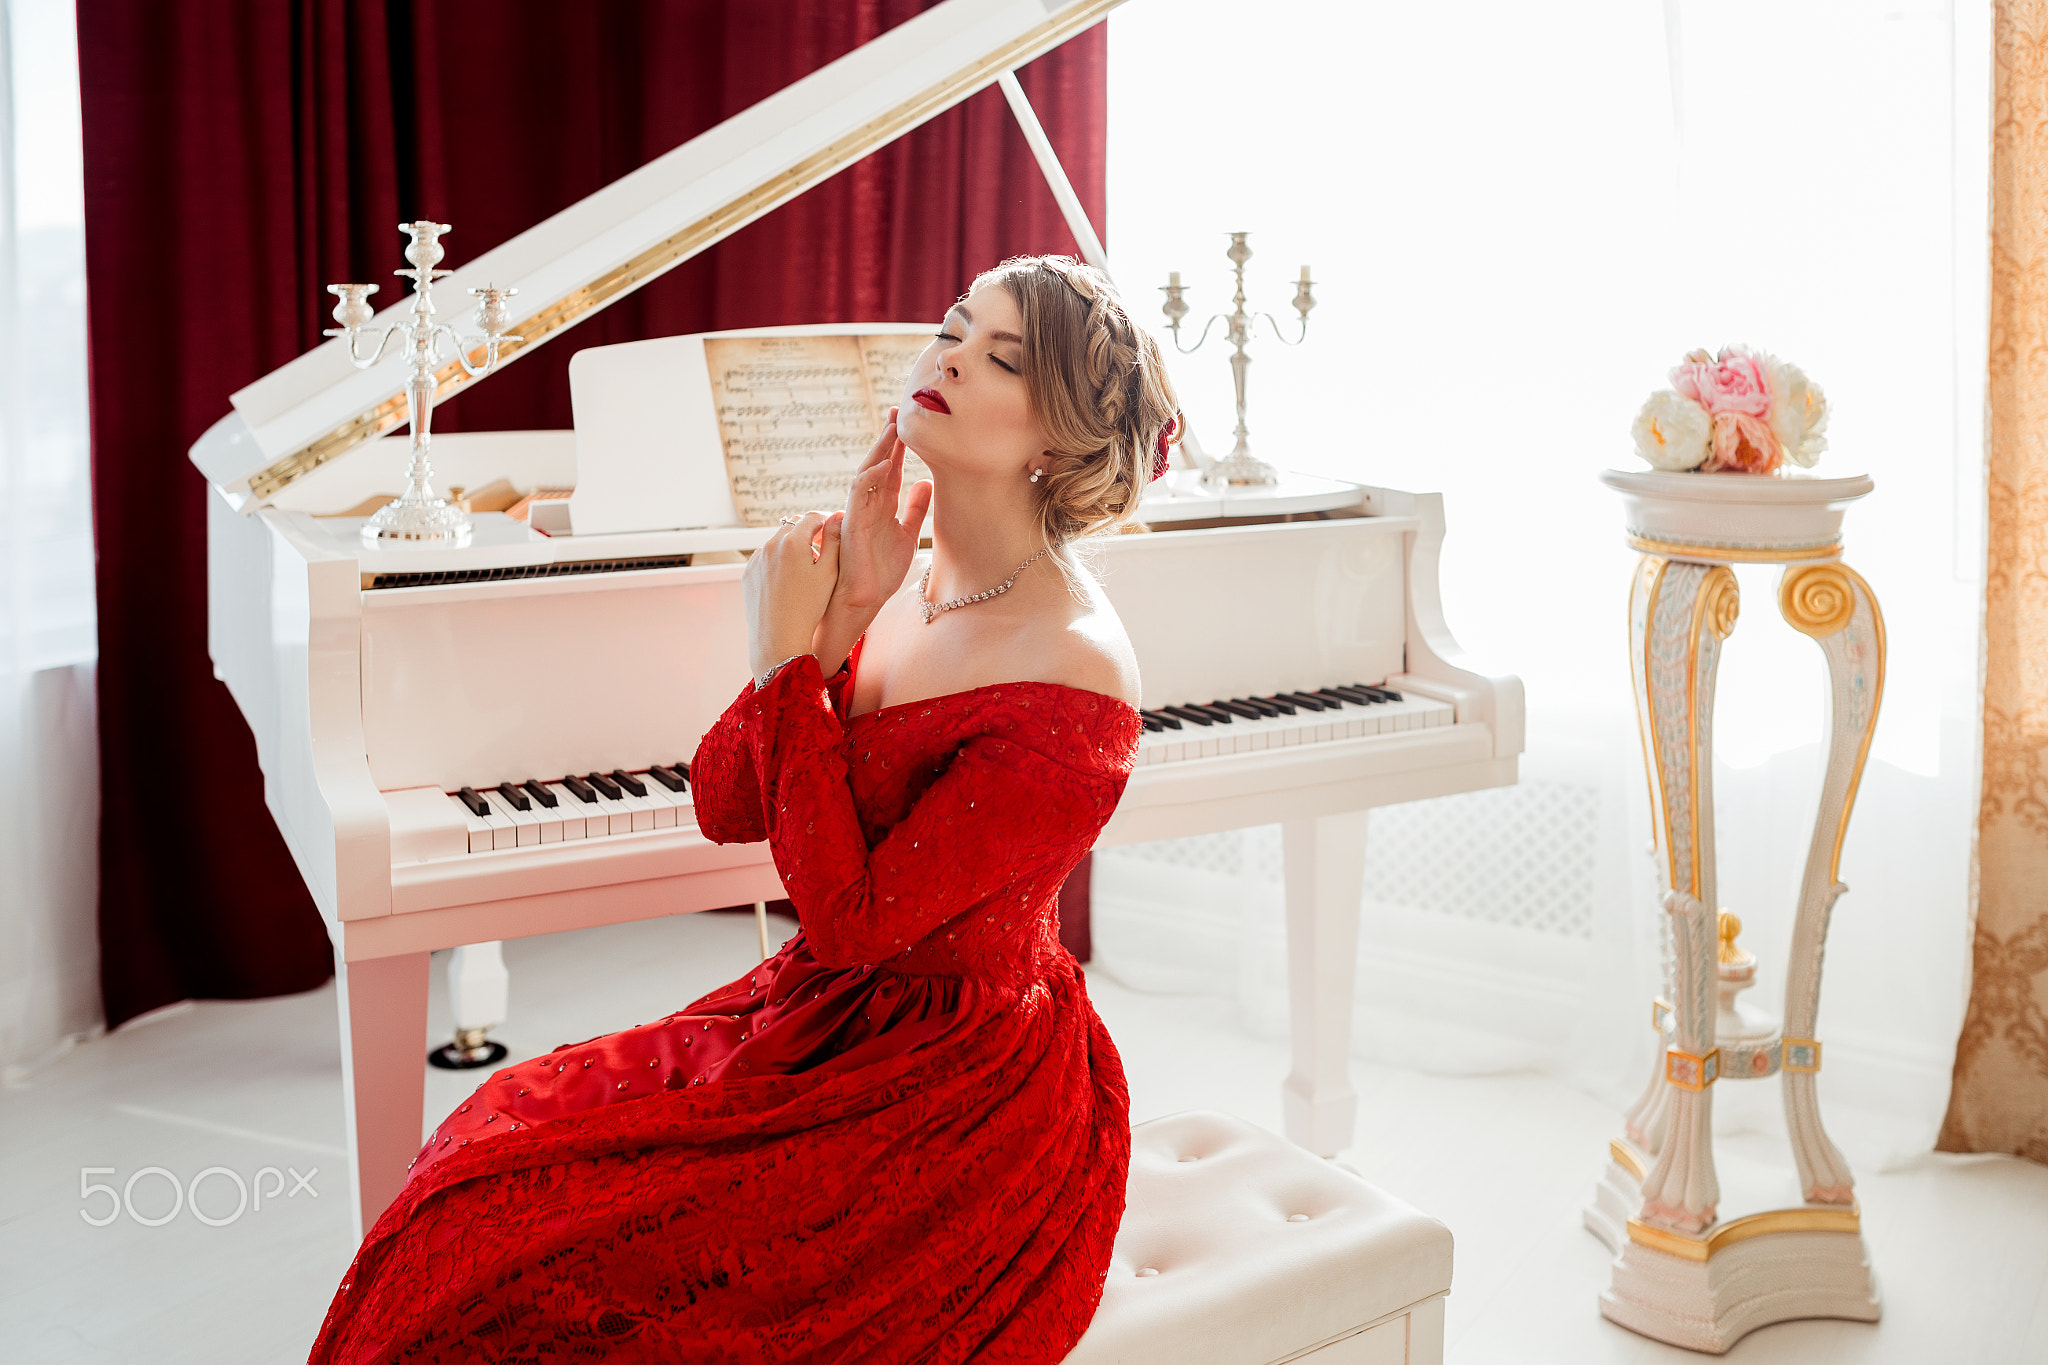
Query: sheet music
[[798, 414]]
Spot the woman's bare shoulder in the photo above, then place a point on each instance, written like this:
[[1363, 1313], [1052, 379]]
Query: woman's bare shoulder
[[1090, 649]]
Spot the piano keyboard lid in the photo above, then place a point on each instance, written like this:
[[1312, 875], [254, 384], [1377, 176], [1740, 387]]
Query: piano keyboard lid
[[319, 407]]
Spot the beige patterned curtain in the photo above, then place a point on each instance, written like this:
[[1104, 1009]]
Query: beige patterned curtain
[[2000, 1099]]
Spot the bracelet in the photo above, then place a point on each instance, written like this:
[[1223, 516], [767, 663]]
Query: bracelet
[[769, 676]]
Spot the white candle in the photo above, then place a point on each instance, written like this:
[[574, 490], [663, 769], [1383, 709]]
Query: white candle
[[1304, 277], [1173, 279]]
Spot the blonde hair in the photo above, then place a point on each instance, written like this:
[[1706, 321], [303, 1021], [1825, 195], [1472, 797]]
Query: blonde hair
[[1098, 387]]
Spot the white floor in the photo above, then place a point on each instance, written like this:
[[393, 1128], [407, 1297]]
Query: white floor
[[1961, 1244]]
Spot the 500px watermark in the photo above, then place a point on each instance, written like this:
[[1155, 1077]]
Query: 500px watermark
[[186, 1195]]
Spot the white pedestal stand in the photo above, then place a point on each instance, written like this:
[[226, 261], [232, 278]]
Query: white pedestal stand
[[1682, 1272]]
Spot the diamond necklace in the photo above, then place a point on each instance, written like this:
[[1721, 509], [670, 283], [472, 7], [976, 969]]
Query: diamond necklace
[[932, 609]]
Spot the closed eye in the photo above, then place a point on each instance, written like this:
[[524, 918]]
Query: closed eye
[[945, 336], [1000, 361]]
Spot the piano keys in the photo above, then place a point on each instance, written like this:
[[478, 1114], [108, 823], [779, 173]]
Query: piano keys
[[1244, 725], [533, 812]]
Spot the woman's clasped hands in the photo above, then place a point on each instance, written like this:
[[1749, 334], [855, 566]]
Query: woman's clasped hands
[[787, 586], [823, 576]]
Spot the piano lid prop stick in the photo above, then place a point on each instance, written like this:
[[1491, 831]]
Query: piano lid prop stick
[[1055, 174], [761, 922]]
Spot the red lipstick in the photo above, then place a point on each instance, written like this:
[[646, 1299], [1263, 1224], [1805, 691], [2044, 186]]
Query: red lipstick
[[929, 399]]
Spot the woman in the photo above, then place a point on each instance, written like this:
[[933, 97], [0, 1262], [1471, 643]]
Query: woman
[[903, 1137]]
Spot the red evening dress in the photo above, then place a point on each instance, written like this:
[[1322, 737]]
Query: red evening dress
[[903, 1137]]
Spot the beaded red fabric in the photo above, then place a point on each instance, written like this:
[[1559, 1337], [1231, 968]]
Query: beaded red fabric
[[903, 1137]]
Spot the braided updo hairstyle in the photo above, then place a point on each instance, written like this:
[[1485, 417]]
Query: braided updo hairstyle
[[1098, 387]]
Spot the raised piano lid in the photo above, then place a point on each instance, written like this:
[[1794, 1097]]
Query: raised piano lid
[[319, 407]]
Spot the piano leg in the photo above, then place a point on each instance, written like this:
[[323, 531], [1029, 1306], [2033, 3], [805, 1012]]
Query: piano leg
[[1324, 859], [383, 1074]]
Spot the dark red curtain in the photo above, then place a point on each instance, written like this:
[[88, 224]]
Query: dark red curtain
[[241, 154]]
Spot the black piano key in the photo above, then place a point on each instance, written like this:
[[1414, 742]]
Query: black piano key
[[540, 792], [1170, 722], [1280, 704], [605, 786], [1350, 694], [514, 797], [669, 778], [1152, 722], [581, 790], [1265, 708], [1188, 713], [1383, 693], [1339, 698], [1305, 701], [681, 770], [1237, 708], [477, 805], [1215, 713], [629, 782]]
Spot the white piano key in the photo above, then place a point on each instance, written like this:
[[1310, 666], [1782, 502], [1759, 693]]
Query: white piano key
[[504, 834], [525, 824], [617, 814], [572, 810], [479, 829], [664, 803], [658, 801], [639, 809], [547, 819]]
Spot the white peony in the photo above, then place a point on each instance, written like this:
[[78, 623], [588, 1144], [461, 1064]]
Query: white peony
[[1672, 431], [1799, 412]]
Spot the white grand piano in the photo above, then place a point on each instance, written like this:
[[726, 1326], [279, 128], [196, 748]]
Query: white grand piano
[[1296, 665]]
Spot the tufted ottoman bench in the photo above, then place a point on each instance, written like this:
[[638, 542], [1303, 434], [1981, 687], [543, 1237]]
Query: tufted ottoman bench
[[1240, 1248]]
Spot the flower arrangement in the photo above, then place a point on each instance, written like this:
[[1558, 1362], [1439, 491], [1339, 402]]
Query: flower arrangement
[[1739, 412]]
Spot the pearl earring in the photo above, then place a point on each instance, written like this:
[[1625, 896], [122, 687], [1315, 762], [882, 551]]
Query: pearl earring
[[1035, 473]]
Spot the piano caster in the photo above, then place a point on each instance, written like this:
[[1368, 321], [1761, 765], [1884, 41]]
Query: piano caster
[[478, 985], [469, 1051]]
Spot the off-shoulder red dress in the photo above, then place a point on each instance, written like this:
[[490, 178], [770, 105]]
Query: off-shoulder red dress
[[903, 1137]]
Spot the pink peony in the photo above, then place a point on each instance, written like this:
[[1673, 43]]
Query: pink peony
[[1733, 382], [1744, 444]]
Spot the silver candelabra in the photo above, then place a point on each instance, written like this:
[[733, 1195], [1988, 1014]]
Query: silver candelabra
[[1240, 466], [418, 517]]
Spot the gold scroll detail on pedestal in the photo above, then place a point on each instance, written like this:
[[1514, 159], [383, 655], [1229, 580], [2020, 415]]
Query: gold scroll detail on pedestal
[[1817, 599], [1721, 602]]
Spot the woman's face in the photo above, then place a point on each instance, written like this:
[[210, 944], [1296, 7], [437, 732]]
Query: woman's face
[[964, 404]]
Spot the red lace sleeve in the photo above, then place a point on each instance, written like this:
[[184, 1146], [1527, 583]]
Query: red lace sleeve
[[724, 786], [861, 905]]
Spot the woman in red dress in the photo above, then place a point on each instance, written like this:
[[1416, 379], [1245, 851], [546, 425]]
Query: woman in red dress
[[903, 1137]]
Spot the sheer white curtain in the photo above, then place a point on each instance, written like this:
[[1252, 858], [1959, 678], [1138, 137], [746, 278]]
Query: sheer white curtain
[[49, 780], [1521, 216]]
